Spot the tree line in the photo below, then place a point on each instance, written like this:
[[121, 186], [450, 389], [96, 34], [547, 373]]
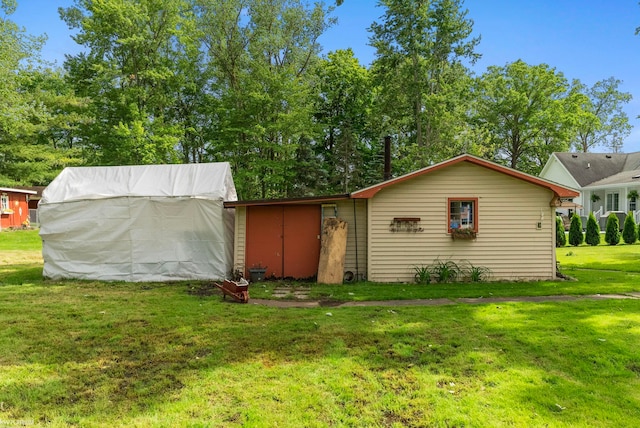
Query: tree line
[[245, 81]]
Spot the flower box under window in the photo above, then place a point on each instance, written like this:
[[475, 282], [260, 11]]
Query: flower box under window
[[463, 234]]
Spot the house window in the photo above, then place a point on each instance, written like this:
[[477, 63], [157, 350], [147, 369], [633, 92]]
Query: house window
[[633, 204], [463, 213], [612, 201], [4, 202]]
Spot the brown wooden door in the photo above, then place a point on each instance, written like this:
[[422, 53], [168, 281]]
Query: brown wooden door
[[285, 239], [301, 240]]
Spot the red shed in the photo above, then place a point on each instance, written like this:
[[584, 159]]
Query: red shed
[[14, 207]]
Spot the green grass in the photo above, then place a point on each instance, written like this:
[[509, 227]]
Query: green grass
[[21, 240], [621, 257], [154, 355]]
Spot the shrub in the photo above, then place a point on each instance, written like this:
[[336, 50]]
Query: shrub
[[575, 231], [593, 231], [629, 232], [422, 274], [561, 238], [477, 273], [612, 234], [445, 271]]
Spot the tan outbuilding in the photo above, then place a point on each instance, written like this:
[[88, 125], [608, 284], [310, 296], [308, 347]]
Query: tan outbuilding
[[466, 209]]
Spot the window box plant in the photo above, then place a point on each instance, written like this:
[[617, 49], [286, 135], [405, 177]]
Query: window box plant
[[465, 233]]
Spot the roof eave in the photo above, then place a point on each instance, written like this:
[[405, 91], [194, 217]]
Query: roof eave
[[286, 201], [9, 189]]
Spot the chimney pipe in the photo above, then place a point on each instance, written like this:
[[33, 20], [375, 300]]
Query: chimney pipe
[[387, 158]]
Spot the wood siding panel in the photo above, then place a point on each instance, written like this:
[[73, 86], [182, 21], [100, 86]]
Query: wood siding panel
[[356, 235], [508, 241], [240, 240]]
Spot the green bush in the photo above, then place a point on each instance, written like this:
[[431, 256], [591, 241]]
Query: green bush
[[575, 231], [561, 238], [630, 231], [422, 274], [445, 271], [593, 231], [478, 273], [612, 234]]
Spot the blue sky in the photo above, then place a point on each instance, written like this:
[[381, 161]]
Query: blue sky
[[589, 40]]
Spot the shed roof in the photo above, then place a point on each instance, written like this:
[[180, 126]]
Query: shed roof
[[624, 177], [12, 190], [285, 201], [203, 180], [559, 190]]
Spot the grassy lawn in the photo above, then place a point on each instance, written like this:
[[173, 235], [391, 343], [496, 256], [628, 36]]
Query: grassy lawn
[[79, 353]]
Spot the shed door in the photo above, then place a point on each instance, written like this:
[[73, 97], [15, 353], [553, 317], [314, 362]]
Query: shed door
[[285, 239]]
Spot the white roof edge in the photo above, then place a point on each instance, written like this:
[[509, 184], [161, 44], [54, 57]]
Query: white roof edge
[[611, 186], [9, 189]]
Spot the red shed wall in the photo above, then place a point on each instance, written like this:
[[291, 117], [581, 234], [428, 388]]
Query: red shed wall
[[18, 203], [285, 239]]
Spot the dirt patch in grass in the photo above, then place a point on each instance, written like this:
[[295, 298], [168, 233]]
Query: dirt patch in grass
[[203, 289]]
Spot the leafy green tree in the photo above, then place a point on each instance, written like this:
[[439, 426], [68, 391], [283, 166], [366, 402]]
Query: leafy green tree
[[575, 231], [527, 112], [49, 144], [630, 230], [261, 57], [592, 236], [612, 233], [421, 48], [342, 110], [35, 104], [605, 124], [130, 71], [561, 238]]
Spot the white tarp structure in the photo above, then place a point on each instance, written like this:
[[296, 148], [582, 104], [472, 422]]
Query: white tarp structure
[[138, 223]]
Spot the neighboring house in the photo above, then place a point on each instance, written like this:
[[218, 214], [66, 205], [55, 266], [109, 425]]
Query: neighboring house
[[607, 182], [14, 207], [138, 223], [406, 222]]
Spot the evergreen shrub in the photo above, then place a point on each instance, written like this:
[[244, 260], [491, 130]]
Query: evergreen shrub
[[612, 234], [630, 231], [575, 231], [561, 238], [593, 231]]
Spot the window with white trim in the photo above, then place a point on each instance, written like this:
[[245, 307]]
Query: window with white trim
[[462, 213], [4, 202]]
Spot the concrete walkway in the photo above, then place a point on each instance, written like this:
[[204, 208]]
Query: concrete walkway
[[437, 302]]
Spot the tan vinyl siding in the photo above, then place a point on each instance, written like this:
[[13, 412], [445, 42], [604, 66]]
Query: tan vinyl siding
[[240, 240], [356, 225], [508, 241]]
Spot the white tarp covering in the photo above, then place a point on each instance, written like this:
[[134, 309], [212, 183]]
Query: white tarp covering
[[138, 223]]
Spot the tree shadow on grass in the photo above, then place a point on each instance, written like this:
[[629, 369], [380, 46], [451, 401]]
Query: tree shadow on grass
[[20, 274], [119, 350]]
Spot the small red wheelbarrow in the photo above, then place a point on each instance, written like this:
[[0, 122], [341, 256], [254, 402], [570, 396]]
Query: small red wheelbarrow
[[239, 290]]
